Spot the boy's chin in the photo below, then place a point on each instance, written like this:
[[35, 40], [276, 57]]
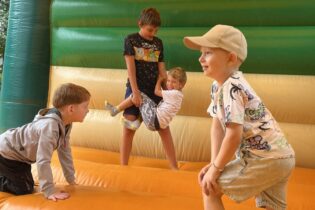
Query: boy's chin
[[206, 73], [79, 120]]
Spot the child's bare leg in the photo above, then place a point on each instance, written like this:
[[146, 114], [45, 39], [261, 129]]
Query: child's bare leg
[[125, 104], [168, 145], [114, 110], [126, 144], [212, 202]]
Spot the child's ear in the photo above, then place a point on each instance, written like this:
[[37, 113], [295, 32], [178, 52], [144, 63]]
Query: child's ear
[[70, 108], [139, 24], [233, 58]]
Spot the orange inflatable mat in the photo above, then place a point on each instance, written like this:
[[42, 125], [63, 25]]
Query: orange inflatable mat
[[102, 169]]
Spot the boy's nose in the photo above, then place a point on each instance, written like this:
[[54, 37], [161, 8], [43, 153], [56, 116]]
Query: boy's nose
[[200, 58]]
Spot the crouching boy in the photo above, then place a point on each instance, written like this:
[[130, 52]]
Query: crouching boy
[[36, 141]]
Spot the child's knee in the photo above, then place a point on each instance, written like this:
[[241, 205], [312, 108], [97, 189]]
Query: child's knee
[[17, 188], [131, 124]]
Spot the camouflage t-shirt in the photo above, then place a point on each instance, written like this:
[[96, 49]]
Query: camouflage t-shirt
[[236, 102]]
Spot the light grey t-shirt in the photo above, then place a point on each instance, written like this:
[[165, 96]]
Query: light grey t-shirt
[[236, 102]]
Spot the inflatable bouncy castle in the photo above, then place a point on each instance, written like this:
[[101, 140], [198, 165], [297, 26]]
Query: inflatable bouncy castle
[[81, 41]]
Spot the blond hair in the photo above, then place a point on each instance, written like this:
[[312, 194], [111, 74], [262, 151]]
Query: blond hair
[[150, 16], [70, 93], [179, 74]]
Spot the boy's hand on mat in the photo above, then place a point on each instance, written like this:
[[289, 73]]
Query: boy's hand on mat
[[59, 196]]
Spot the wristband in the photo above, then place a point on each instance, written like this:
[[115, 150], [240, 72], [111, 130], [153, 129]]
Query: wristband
[[219, 169]]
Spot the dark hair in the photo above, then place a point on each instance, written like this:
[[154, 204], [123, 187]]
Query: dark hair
[[150, 16], [70, 93]]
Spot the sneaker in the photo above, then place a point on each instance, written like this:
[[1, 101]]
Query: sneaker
[[112, 109]]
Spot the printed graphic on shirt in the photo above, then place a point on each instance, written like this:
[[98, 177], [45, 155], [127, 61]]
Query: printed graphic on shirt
[[255, 113], [235, 89], [146, 54], [214, 89], [257, 142]]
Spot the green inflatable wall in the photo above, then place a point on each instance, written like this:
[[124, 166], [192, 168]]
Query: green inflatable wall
[[280, 34], [26, 62], [184, 13], [272, 50], [90, 33]]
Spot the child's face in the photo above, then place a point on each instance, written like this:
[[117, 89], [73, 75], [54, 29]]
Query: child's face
[[214, 61], [79, 111], [148, 31], [173, 84]]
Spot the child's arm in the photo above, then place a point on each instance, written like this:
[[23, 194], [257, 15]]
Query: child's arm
[[231, 142], [217, 135], [228, 148], [162, 72], [162, 76], [131, 68], [233, 130], [46, 144], [158, 87], [66, 160]]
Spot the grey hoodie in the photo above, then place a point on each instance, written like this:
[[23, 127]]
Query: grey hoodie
[[35, 142]]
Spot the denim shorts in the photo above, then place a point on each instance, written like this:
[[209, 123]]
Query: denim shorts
[[264, 178]]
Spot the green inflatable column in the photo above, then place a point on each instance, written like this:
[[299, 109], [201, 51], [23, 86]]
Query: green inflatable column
[[26, 62]]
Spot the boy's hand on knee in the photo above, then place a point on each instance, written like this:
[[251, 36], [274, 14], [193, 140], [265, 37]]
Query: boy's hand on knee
[[209, 182], [202, 173], [59, 196]]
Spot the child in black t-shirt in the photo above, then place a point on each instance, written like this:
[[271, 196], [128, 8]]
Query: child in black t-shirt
[[144, 58]]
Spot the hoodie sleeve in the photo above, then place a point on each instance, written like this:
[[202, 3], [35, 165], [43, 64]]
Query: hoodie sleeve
[[65, 158], [49, 134]]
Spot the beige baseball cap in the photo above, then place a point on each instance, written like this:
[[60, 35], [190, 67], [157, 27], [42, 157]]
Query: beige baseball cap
[[220, 36]]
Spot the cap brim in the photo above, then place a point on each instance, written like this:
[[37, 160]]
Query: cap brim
[[196, 42]]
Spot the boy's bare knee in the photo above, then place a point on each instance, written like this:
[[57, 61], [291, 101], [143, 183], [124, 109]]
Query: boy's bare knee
[[131, 125]]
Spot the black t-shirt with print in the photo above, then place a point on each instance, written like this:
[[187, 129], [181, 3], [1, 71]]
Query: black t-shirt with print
[[147, 54]]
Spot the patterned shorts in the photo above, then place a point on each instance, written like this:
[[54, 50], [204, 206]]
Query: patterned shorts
[[264, 178], [148, 113]]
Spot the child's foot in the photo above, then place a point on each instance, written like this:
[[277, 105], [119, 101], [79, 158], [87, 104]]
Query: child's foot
[[174, 167], [112, 109]]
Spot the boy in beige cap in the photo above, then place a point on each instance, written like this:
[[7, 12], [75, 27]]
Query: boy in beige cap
[[241, 125]]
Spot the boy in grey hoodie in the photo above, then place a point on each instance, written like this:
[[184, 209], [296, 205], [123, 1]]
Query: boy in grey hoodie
[[36, 141]]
